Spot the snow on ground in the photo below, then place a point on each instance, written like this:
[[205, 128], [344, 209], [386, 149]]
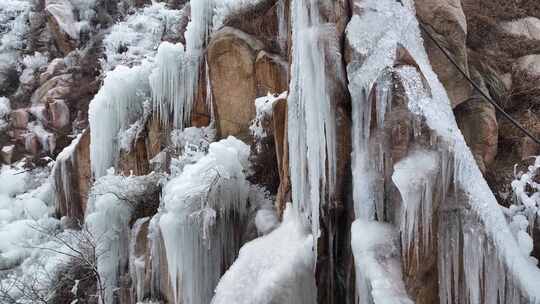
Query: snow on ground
[[29, 255], [275, 268]]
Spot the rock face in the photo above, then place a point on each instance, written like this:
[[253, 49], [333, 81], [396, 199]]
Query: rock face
[[72, 179], [240, 71], [446, 21], [62, 22], [528, 27], [231, 58]]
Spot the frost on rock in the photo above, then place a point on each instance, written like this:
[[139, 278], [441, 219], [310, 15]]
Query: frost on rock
[[377, 263], [264, 109], [311, 115], [226, 8], [479, 257], [275, 268], [118, 103], [13, 28], [138, 37], [202, 208], [63, 13]]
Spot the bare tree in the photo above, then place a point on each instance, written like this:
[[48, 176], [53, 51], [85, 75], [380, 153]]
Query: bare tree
[[79, 247]]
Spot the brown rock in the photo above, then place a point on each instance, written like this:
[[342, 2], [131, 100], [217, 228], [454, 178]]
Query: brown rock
[[135, 161], [54, 68], [7, 154], [446, 21], [59, 114], [19, 118], [271, 74], [282, 152], [57, 87], [231, 59], [72, 178], [478, 122]]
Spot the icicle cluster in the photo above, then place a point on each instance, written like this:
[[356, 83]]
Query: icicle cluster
[[311, 115], [203, 207], [173, 83], [117, 104], [416, 179]]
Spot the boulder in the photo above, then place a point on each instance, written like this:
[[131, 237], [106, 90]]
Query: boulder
[[62, 24], [58, 114], [56, 88], [528, 27], [19, 118], [446, 21], [529, 64], [7, 153], [55, 68], [231, 60], [477, 121]]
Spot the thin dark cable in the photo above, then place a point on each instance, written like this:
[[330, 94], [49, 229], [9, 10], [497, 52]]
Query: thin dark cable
[[496, 105]]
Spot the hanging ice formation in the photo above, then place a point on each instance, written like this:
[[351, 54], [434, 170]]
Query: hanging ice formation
[[111, 204], [203, 208], [175, 80], [276, 268], [479, 258], [117, 104], [311, 115]]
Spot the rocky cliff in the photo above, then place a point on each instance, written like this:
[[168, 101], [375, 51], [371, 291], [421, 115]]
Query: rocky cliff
[[269, 151]]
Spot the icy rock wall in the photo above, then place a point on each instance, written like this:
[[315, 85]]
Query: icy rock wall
[[481, 234]]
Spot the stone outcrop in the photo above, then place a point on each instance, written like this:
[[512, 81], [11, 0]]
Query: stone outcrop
[[72, 178], [446, 21]]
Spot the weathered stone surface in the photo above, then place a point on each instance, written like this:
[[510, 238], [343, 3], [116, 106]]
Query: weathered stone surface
[[231, 59], [446, 21], [7, 154], [282, 152], [529, 63], [58, 114], [55, 68], [271, 74], [478, 122], [56, 88], [135, 161], [528, 27], [19, 118], [73, 171]]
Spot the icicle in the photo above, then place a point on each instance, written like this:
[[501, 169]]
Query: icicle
[[118, 102], [173, 84], [415, 177], [282, 26], [311, 115]]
